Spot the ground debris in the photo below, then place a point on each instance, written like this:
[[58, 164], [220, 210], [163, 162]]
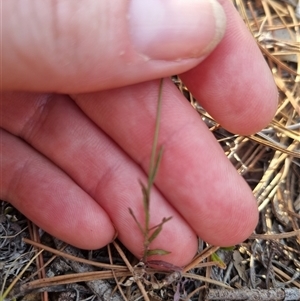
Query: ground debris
[[285, 294], [101, 288]]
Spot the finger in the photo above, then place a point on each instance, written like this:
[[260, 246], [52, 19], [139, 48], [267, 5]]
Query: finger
[[68, 46], [194, 174], [234, 84], [47, 196], [57, 128]]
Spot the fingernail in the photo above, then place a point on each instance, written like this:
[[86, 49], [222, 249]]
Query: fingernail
[[175, 29]]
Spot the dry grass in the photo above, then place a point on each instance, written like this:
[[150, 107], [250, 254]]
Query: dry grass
[[269, 161]]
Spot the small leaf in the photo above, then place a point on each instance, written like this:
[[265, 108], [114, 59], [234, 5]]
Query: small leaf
[[156, 165], [152, 252], [155, 233], [137, 222], [231, 248], [146, 193], [221, 264], [164, 220], [155, 138], [146, 204]]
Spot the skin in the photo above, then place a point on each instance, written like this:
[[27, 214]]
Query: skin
[[71, 160]]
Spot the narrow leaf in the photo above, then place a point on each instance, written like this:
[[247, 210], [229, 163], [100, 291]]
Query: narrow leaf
[[155, 233], [164, 220], [136, 221], [157, 163], [146, 204], [155, 139], [228, 248], [145, 195], [152, 252], [215, 257]]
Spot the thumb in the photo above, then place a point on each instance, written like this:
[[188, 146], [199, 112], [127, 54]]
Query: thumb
[[81, 46]]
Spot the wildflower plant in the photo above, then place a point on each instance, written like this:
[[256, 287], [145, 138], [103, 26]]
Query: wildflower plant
[[151, 233]]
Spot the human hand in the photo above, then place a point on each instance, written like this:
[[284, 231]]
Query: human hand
[[71, 162]]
